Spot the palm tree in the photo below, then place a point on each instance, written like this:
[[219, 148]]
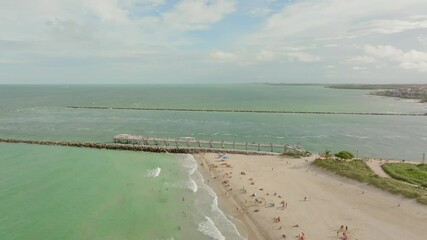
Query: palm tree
[[328, 154]]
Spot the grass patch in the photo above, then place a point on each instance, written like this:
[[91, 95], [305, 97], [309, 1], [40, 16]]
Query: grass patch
[[296, 154], [411, 173], [358, 170]]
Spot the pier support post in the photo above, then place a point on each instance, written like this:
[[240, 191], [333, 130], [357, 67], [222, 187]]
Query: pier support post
[[271, 145]]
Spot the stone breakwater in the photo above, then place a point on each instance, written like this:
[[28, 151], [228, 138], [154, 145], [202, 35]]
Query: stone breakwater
[[143, 148], [250, 111]]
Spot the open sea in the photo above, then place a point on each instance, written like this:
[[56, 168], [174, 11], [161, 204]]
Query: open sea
[[51, 192]]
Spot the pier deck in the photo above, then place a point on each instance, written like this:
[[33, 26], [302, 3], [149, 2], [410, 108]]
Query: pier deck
[[192, 143]]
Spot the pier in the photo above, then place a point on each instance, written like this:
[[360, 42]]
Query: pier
[[204, 145], [131, 146], [251, 111]]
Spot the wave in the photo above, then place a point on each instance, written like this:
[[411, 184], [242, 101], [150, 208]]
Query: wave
[[395, 137], [208, 228], [155, 172], [189, 184], [312, 136], [355, 136], [218, 216], [189, 164]]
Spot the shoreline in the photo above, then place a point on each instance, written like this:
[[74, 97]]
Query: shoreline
[[227, 203], [319, 202]]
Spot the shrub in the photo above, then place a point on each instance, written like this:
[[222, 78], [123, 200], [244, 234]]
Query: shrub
[[296, 154], [344, 155]]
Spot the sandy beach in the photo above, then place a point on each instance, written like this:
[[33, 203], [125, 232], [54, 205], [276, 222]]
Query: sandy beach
[[277, 197]]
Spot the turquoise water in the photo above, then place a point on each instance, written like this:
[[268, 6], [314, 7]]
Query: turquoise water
[[39, 113], [50, 192], [70, 193]]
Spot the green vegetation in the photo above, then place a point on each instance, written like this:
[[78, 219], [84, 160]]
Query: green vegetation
[[327, 154], [296, 154], [411, 173], [358, 170], [344, 155]]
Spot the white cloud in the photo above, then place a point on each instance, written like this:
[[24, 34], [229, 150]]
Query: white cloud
[[410, 60], [107, 10], [261, 11], [151, 34], [68, 30], [306, 20], [358, 68], [422, 40], [384, 51], [389, 26], [198, 14], [224, 56], [331, 45], [266, 56], [150, 2], [360, 60], [303, 57]]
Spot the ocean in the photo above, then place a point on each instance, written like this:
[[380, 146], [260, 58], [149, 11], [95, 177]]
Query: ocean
[[51, 192]]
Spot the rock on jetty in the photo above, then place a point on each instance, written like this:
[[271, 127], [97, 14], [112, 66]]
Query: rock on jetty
[[250, 111]]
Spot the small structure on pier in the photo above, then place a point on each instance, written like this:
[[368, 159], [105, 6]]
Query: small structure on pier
[[191, 142]]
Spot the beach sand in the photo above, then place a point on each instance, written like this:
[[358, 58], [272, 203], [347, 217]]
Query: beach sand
[[318, 202]]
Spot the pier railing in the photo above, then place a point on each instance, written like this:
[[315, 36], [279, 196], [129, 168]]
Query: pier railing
[[205, 144]]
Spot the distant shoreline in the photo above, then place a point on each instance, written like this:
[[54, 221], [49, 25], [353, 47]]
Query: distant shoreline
[[403, 91]]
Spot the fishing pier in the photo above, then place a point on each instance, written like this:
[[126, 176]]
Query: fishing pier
[[185, 145], [193, 144]]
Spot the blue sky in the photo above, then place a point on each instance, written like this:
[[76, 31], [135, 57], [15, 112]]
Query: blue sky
[[213, 41]]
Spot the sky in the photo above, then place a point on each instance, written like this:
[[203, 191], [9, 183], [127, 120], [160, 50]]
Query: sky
[[212, 41]]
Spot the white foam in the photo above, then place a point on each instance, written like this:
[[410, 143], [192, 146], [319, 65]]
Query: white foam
[[355, 136], [218, 219], [208, 228], [189, 163], [191, 184], [155, 172], [219, 213]]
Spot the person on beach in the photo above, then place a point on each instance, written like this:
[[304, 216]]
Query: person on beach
[[302, 236], [344, 236]]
